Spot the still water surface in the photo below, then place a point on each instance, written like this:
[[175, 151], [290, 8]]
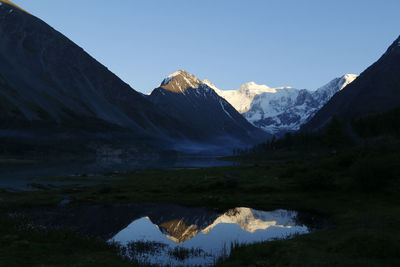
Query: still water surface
[[203, 239], [168, 234]]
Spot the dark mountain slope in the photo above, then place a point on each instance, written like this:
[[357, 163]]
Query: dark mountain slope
[[186, 98], [49, 86], [376, 90]]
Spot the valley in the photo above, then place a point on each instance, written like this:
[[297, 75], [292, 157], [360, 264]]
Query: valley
[[96, 173]]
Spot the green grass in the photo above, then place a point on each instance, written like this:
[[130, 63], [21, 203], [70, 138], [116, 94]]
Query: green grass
[[363, 208]]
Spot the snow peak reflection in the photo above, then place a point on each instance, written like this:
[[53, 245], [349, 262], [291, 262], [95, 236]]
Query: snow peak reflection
[[203, 239]]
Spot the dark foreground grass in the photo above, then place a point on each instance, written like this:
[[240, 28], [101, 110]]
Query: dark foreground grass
[[359, 197], [24, 244]]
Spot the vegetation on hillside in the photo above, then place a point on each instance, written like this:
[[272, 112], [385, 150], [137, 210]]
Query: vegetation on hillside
[[334, 136]]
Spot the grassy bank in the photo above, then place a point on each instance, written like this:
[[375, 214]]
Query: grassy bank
[[355, 189]]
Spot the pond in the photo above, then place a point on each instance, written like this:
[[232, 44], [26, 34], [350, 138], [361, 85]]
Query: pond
[[202, 242], [166, 234]]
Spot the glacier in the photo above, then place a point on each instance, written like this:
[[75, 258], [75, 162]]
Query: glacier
[[282, 109]]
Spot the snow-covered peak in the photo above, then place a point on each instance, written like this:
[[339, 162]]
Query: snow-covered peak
[[324, 93], [180, 81], [347, 79], [252, 87], [210, 84], [287, 109], [242, 98]]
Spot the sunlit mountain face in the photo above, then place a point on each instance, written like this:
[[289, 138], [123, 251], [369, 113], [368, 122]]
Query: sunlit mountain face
[[187, 99], [202, 240]]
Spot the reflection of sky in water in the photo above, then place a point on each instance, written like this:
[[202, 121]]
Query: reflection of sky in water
[[239, 225]]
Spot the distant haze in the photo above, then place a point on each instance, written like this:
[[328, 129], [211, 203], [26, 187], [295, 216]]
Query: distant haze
[[303, 44]]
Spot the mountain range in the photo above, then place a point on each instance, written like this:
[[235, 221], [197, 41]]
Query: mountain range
[[274, 110], [283, 109], [53, 93], [55, 97]]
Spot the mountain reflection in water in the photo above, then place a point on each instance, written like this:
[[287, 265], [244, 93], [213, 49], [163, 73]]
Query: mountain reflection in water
[[204, 240]]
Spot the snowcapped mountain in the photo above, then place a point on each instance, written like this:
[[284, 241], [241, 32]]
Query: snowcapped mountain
[[289, 108], [192, 102], [282, 109], [327, 91], [242, 98]]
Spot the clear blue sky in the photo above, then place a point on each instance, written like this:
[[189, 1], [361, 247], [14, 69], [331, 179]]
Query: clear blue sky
[[296, 43]]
